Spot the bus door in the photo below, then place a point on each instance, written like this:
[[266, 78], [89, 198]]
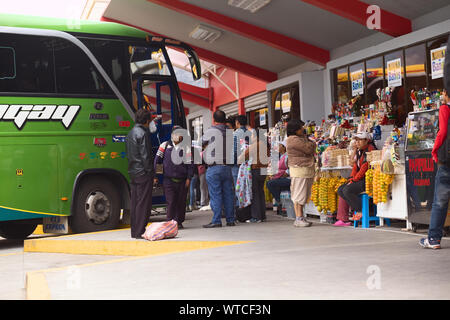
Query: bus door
[[160, 96]]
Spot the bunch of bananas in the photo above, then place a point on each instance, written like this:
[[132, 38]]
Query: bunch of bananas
[[315, 192], [323, 195], [369, 182], [324, 192], [381, 183]]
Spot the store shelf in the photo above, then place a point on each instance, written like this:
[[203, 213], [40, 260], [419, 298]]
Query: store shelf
[[335, 168]]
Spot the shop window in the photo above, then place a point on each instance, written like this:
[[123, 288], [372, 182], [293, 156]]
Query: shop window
[[358, 82], [416, 76], [375, 79], [285, 103], [258, 118], [434, 57], [26, 64], [394, 71], [342, 88]]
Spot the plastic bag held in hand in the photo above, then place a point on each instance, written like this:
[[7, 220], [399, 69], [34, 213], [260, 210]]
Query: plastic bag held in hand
[[161, 230]]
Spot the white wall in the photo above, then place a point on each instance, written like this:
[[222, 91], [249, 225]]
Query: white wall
[[311, 96]]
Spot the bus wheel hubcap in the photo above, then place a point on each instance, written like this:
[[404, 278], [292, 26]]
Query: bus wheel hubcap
[[98, 207]]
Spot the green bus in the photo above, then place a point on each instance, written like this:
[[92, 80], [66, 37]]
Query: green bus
[[68, 94]]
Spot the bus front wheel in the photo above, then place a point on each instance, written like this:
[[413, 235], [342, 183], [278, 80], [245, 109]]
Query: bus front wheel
[[96, 207], [16, 230]]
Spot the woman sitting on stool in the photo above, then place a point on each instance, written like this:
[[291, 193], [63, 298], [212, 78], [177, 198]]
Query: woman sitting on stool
[[349, 192], [280, 181]]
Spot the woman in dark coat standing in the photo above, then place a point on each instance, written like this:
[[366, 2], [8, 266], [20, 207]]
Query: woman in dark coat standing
[[176, 176]]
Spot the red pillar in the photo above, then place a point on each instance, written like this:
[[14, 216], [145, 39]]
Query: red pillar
[[241, 106]]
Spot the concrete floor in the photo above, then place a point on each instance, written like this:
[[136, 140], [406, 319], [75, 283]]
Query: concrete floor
[[279, 262]]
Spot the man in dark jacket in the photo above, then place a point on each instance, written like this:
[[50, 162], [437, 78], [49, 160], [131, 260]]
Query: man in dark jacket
[[140, 169], [177, 174], [440, 155]]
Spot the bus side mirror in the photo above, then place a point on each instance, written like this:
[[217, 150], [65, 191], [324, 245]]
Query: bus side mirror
[[194, 61]]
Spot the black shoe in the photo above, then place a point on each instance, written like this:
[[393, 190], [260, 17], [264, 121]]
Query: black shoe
[[138, 237], [212, 225], [180, 226], [231, 224]]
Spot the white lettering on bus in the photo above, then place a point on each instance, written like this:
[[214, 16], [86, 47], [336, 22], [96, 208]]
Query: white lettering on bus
[[20, 114]]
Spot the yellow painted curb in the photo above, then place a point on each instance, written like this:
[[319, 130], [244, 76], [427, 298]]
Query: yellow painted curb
[[36, 282], [120, 248], [39, 230], [37, 287]]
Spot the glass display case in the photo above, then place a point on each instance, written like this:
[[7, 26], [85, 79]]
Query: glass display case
[[422, 130], [420, 168]]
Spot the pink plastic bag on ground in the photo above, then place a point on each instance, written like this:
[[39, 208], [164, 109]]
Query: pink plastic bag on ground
[[161, 230]]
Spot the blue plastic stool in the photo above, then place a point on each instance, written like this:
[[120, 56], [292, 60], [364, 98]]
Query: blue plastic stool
[[366, 218]]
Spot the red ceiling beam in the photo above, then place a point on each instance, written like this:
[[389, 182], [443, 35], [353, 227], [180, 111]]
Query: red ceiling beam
[[195, 99], [216, 58], [201, 92], [276, 40], [356, 10]]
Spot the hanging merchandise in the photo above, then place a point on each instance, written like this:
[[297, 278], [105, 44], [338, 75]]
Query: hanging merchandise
[[424, 99], [324, 191]]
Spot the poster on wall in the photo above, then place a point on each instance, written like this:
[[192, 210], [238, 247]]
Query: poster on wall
[[262, 117], [357, 82], [394, 72], [437, 62], [286, 102]]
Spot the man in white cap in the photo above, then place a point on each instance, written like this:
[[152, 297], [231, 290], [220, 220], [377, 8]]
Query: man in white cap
[[349, 192]]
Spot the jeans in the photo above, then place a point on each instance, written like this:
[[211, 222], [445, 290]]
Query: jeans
[[220, 182], [440, 203], [276, 186], [192, 189]]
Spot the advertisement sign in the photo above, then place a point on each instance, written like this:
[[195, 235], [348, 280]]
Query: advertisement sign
[[357, 82], [394, 73], [437, 62], [262, 117]]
